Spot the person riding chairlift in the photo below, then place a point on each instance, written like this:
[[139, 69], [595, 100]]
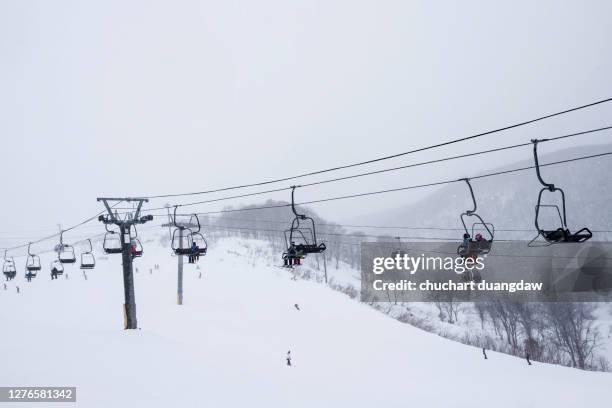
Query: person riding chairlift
[[295, 255], [54, 272], [133, 250], [194, 254], [465, 245], [298, 258]]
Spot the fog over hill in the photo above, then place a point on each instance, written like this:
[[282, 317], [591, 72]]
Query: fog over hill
[[508, 201]]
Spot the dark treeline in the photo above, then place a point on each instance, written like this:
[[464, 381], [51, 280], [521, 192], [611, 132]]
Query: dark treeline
[[556, 332]]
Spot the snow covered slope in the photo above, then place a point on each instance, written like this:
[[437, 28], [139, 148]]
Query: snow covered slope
[[226, 346]]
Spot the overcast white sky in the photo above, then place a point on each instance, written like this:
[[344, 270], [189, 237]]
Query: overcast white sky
[[148, 97]]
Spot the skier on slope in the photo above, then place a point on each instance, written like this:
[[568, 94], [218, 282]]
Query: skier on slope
[[528, 357], [289, 358]]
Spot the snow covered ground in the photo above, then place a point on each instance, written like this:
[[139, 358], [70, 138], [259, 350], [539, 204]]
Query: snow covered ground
[[226, 346]]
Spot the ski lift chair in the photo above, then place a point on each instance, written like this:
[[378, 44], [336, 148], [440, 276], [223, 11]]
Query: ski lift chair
[[138, 250], [562, 234], [88, 261], [300, 240], [201, 243], [8, 268], [65, 252], [32, 262], [471, 247], [182, 245], [112, 242], [58, 265]]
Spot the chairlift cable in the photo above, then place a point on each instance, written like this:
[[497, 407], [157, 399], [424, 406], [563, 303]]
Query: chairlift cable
[[425, 228], [87, 220], [379, 159], [498, 173], [392, 169]]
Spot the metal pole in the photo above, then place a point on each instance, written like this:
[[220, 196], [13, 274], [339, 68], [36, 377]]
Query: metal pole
[[325, 266], [129, 307], [179, 294], [169, 226]]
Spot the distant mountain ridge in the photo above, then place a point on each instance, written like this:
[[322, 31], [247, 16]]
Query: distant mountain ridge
[[508, 201]]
